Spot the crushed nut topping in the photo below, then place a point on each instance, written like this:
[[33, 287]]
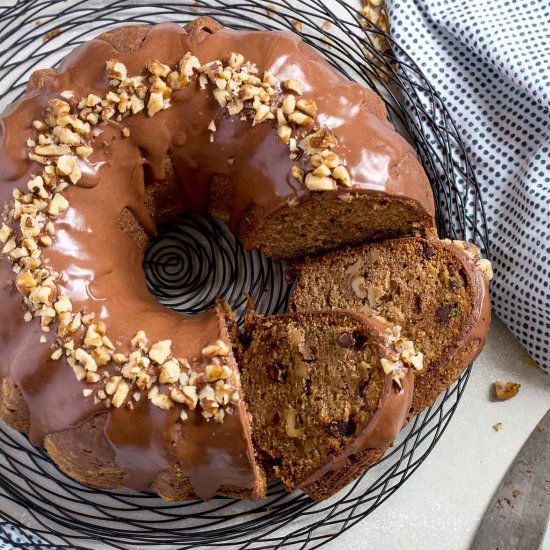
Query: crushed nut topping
[[402, 353], [63, 143], [472, 251], [374, 13], [238, 87], [506, 390]]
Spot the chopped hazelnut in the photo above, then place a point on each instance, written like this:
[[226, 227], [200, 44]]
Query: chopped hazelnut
[[292, 86], [112, 384], [120, 394], [155, 104], [506, 390], [321, 171], [299, 118], [169, 372], [162, 401], [341, 174], [116, 70], [285, 133], [289, 104], [160, 351], [52, 150], [307, 106], [314, 183], [298, 173], [5, 232], [217, 348]]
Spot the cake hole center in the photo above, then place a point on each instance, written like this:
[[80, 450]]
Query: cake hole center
[[195, 258]]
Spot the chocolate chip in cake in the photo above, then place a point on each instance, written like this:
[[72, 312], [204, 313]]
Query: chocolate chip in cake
[[277, 372], [426, 250], [351, 340], [340, 428], [346, 340]]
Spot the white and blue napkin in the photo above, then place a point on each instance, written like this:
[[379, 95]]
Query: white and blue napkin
[[490, 62]]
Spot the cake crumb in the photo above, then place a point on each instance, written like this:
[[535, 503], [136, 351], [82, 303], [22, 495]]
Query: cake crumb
[[298, 25], [497, 427], [506, 390], [52, 34]]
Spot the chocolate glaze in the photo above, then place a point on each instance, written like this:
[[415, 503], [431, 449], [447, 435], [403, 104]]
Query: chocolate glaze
[[101, 266]]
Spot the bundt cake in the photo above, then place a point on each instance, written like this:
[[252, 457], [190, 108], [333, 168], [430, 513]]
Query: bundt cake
[[322, 388], [437, 290], [132, 129]]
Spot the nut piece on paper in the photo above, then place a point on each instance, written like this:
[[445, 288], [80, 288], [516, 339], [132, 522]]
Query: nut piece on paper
[[506, 390]]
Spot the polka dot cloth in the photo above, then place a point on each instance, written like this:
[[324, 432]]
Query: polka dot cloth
[[490, 62], [13, 537]]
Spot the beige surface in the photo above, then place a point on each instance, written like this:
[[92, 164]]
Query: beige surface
[[441, 505]]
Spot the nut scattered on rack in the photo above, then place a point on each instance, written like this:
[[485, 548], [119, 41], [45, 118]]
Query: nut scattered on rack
[[374, 13]]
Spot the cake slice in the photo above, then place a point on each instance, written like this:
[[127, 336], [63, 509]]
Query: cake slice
[[436, 290], [321, 389]]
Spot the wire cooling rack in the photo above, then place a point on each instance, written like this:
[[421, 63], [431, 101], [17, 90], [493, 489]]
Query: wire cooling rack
[[194, 259]]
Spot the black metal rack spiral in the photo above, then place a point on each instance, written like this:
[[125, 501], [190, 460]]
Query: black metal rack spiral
[[195, 258]]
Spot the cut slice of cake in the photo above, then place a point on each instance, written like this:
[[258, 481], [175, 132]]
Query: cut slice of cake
[[436, 290], [322, 388]]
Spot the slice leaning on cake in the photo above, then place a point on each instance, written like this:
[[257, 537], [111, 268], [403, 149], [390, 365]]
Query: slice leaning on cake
[[324, 388], [436, 290]]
